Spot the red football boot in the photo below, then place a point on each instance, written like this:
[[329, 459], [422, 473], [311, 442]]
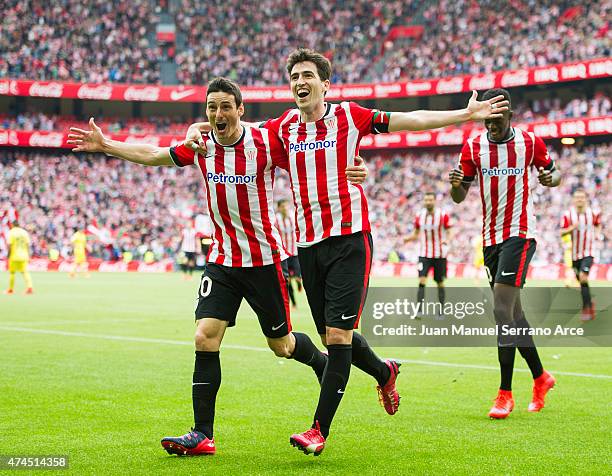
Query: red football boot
[[387, 395], [541, 386], [193, 443], [504, 404], [311, 441]]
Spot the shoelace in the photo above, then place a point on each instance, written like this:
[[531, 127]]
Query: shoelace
[[501, 400], [312, 433]]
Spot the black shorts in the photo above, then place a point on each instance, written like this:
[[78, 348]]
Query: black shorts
[[336, 274], [222, 289], [190, 255], [507, 262], [583, 265], [438, 265]]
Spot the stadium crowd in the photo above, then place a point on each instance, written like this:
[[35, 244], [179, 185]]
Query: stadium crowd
[[102, 41], [95, 41], [145, 208], [541, 109]]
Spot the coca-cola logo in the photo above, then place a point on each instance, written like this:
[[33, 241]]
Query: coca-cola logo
[[52, 139], [414, 138], [148, 93], [47, 90], [256, 94], [102, 92], [386, 140], [515, 78], [449, 86], [573, 128], [367, 141], [482, 82]]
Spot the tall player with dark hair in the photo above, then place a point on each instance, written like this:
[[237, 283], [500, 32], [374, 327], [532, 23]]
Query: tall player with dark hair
[[333, 228], [503, 158], [244, 261], [581, 223]]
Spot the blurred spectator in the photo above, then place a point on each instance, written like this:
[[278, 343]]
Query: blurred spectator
[[94, 41]]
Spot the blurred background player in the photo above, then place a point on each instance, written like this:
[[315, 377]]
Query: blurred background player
[[502, 158], [581, 223], [189, 248], [19, 256], [291, 266], [79, 252], [433, 226]]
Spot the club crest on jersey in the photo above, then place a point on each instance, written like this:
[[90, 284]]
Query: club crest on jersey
[[502, 172], [331, 123], [250, 153]]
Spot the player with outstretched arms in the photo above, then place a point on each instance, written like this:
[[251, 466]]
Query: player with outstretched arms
[[333, 227], [244, 261], [502, 158]]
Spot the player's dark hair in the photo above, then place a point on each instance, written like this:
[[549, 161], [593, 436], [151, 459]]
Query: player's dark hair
[[281, 201], [300, 55], [491, 93], [579, 190], [433, 194], [224, 85]]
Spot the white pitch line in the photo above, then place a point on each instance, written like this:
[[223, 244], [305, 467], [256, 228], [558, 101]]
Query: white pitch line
[[263, 349]]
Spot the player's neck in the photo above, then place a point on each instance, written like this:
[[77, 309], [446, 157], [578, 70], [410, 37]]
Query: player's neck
[[315, 114], [231, 140], [581, 209]]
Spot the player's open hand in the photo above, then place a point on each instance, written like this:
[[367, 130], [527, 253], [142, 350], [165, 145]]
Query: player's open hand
[[194, 139], [357, 173], [456, 176], [545, 177], [489, 109], [86, 141]]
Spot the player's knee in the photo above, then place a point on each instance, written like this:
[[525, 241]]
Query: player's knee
[[206, 341], [335, 336], [280, 347], [583, 278]]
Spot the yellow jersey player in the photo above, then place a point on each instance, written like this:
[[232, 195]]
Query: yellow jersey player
[[79, 248], [19, 256]]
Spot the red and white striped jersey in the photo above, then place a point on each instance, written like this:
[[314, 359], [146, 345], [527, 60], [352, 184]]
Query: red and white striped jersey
[[319, 152], [503, 170], [188, 240], [286, 226], [432, 233], [584, 233], [239, 180]]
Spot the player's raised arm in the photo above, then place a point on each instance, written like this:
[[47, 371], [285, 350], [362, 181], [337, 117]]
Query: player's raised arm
[[459, 186], [422, 120], [94, 141]]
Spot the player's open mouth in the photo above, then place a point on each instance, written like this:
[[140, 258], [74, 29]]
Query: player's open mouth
[[221, 126], [302, 93]]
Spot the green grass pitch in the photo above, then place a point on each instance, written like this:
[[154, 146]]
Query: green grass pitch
[[100, 369]]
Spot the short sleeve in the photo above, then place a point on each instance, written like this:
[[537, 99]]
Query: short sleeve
[[369, 121], [417, 223], [182, 155], [540, 155], [467, 163], [273, 125], [277, 151], [596, 219]]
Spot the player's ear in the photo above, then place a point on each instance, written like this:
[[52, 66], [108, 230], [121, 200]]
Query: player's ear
[[241, 109], [326, 86]]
